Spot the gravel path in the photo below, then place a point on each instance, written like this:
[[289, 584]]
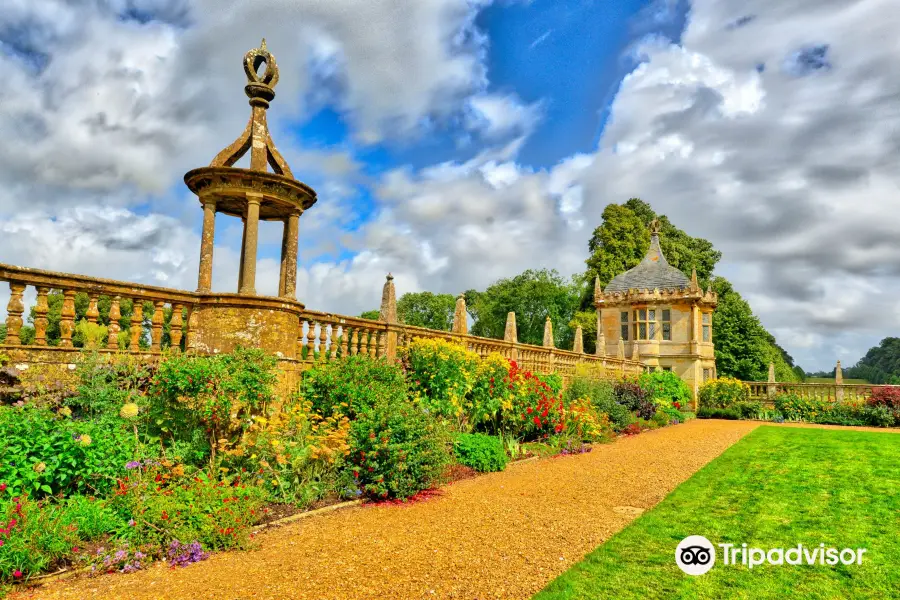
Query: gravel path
[[503, 535]]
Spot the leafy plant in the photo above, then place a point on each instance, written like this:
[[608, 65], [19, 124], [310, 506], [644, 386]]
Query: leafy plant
[[798, 408], [480, 452], [723, 392], [442, 374], [705, 412], [665, 388], [635, 398], [34, 537]]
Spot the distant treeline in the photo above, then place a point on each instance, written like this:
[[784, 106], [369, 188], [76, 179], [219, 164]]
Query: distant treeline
[[880, 365]]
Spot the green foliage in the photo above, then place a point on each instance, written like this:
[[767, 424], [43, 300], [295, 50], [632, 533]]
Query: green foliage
[[481, 452], [216, 394], [588, 321], [35, 537], [107, 382], [424, 309], [349, 386], [372, 315], [880, 416], [798, 408], [92, 335], [723, 392], [45, 453], [533, 296], [602, 395], [705, 412], [442, 375], [161, 506], [880, 365], [396, 448], [665, 388]]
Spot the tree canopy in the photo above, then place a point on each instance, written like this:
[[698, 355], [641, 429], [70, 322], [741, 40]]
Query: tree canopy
[[532, 295], [424, 309], [881, 364]]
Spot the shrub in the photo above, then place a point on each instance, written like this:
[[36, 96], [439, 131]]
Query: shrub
[[888, 397], [34, 537], [492, 394], [396, 449], [797, 408], [584, 423], [602, 395], [537, 405], [161, 503], [296, 455], [748, 410], [665, 388], [46, 453], [108, 382], [481, 452], [633, 397], [723, 392], [442, 374], [705, 412], [347, 386], [879, 416], [216, 394], [843, 413]]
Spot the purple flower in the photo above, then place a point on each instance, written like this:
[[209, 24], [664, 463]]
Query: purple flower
[[134, 464]]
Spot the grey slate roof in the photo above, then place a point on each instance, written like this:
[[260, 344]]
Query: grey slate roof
[[654, 272]]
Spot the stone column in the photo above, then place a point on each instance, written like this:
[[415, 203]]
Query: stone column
[[548, 333], [601, 337], [241, 260], [251, 238], [770, 388], [579, 341], [289, 257], [511, 335], [204, 282]]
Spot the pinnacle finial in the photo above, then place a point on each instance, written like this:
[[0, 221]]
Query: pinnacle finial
[[655, 226], [390, 277]]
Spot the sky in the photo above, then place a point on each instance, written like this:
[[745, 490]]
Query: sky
[[456, 142]]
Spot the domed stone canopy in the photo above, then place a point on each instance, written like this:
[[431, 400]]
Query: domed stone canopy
[[653, 273]]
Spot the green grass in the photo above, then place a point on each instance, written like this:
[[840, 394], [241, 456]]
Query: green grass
[[831, 380], [777, 487]]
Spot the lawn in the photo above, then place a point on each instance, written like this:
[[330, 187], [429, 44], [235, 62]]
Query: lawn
[[775, 488]]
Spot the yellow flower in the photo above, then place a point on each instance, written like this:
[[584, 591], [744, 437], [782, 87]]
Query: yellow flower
[[275, 482], [39, 467], [65, 411], [129, 410], [85, 440]]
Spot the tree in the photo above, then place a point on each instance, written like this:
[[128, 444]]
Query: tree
[[533, 296], [881, 364], [424, 309], [373, 315], [742, 349]]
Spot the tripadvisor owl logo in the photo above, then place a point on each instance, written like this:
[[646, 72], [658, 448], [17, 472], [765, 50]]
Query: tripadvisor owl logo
[[695, 555]]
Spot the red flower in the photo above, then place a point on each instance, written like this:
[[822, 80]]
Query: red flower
[[2, 487], [529, 410], [537, 421], [165, 516], [558, 428]]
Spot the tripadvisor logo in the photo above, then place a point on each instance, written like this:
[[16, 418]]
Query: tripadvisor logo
[[696, 555]]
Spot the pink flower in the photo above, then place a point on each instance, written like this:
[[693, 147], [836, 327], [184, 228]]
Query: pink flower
[[17, 573]]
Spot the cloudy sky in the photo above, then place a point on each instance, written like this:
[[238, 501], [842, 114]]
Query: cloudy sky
[[454, 142]]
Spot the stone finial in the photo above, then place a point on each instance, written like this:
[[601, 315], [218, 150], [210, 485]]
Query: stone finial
[[601, 339], [511, 334], [598, 290], [579, 341], [548, 333], [620, 350], [256, 138], [838, 374], [460, 324], [694, 284], [388, 312], [771, 372], [655, 226], [636, 352]]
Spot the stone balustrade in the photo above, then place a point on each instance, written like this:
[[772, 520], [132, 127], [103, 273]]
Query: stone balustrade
[[767, 391], [46, 282]]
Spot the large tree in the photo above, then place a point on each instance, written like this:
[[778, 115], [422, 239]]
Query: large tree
[[424, 309], [532, 295], [881, 364]]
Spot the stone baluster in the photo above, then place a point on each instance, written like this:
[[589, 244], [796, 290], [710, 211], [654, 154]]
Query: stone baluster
[[311, 342], [137, 323], [382, 344], [363, 342], [354, 342], [176, 323], [334, 340], [41, 308], [157, 326], [14, 311], [93, 312], [373, 344], [344, 345], [323, 342], [67, 319], [192, 324], [115, 313]]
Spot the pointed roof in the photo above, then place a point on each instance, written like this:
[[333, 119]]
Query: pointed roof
[[654, 272]]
